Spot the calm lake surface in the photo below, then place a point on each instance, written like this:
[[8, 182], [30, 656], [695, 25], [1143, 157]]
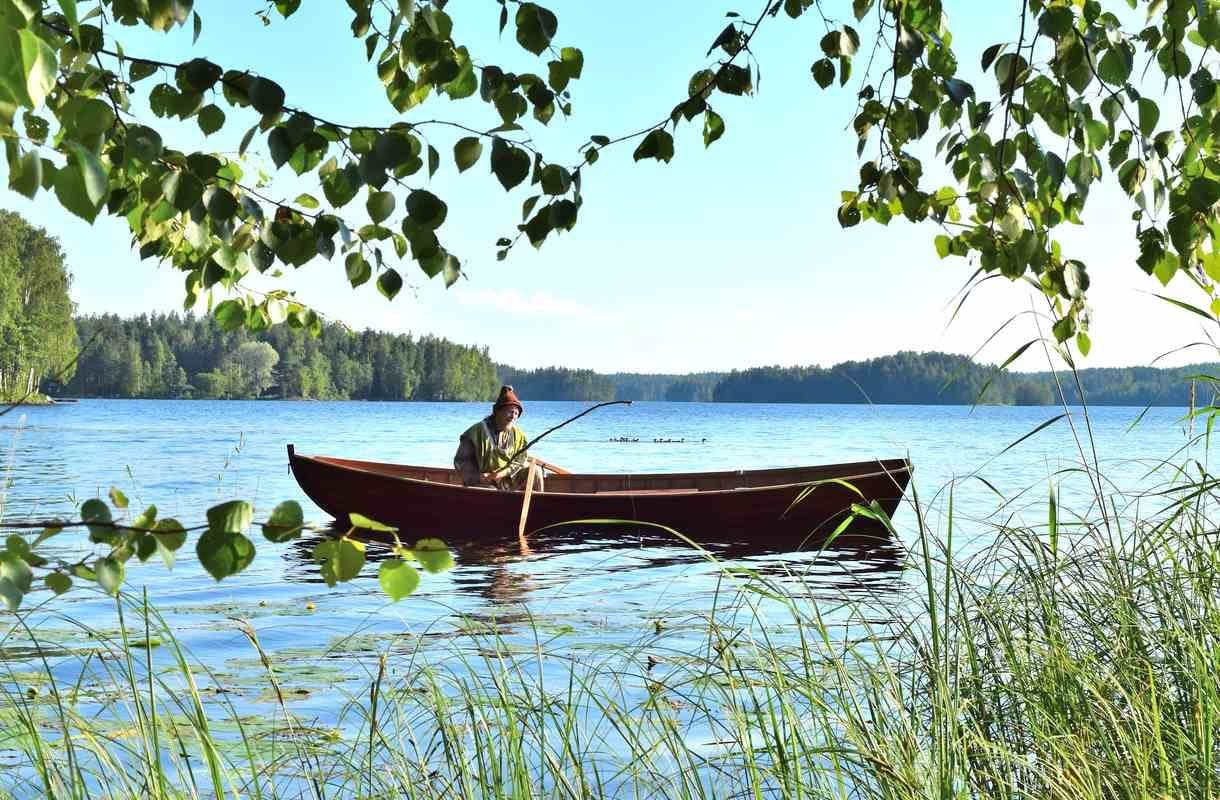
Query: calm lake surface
[[184, 456]]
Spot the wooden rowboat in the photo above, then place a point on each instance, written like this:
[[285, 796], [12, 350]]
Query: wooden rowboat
[[800, 503]]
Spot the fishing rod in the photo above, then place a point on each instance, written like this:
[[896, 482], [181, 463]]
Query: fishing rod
[[548, 431]]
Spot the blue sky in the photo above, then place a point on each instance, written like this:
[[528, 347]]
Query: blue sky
[[724, 258]]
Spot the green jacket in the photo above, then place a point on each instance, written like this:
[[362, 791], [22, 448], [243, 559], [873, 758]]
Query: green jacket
[[488, 456]]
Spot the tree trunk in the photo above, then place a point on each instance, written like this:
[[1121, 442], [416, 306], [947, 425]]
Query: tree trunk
[[29, 384]]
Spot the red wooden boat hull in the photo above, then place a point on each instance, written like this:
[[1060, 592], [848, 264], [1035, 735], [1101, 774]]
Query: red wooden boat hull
[[802, 503]]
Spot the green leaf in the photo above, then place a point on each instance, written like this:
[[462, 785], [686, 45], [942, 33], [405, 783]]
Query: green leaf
[[1115, 66], [1131, 176], [1203, 193], [451, 270], [9, 592], [305, 200], [93, 174], [231, 315], [143, 144], [25, 174], [110, 572], [1011, 71], [223, 554], [96, 511], [69, 9], [82, 185], [231, 517], [433, 555], [658, 144], [397, 578], [145, 520], [92, 117], [1149, 114], [200, 74], [557, 76], [266, 96], [58, 582], [466, 152], [426, 209], [339, 560], [341, 186], [27, 68], [285, 522], [280, 145], [182, 189], [823, 72], [1063, 329], [365, 523], [1083, 343], [15, 569], [308, 154], [1166, 267], [220, 203], [169, 535], [464, 84], [140, 70], [211, 119], [733, 79], [713, 127], [16, 577], [555, 179], [393, 148], [1096, 133], [943, 244], [536, 26], [380, 205], [574, 60], [510, 164], [357, 268], [389, 283]]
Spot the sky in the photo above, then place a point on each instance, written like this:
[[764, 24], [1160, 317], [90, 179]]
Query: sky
[[726, 258]]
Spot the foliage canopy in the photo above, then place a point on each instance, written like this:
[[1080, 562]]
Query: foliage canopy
[[1064, 104]]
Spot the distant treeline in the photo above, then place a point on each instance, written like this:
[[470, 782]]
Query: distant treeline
[[905, 377], [167, 355], [171, 355], [941, 378]]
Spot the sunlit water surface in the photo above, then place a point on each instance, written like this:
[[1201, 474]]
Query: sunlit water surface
[[584, 592]]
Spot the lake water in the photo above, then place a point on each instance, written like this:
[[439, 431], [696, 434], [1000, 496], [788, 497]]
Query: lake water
[[184, 456]]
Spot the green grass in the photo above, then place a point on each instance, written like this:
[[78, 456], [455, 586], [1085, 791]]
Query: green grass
[[1075, 659]]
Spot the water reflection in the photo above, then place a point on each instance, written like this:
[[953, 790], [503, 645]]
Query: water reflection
[[862, 562]]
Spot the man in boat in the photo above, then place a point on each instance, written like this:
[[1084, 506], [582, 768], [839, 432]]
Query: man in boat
[[489, 452]]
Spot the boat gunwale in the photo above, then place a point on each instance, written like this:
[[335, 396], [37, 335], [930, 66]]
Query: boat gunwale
[[329, 461]]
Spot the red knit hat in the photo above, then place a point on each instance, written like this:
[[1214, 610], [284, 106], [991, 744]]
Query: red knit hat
[[508, 398]]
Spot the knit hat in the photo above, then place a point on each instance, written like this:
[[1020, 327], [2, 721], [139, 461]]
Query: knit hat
[[508, 398]]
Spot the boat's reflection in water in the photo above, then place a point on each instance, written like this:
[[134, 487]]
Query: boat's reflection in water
[[863, 562]]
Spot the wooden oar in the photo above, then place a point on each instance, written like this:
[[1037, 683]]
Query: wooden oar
[[534, 465], [525, 504]]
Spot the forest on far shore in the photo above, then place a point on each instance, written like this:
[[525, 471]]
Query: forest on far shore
[[184, 356]]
